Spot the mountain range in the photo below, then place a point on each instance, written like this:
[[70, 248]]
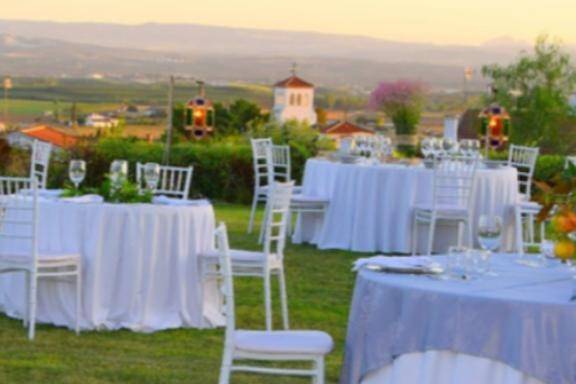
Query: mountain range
[[222, 54]]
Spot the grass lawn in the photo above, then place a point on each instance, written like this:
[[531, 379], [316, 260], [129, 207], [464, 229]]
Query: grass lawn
[[319, 289]]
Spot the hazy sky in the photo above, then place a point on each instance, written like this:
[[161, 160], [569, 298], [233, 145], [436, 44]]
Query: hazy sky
[[440, 21]]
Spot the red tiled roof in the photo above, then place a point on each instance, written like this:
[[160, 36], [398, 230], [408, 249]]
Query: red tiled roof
[[293, 82], [345, 128], [51, 135]]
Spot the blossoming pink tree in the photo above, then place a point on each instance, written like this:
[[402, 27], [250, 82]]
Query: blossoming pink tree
[[402, 102]]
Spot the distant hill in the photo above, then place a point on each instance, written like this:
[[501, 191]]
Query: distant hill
[[228, 54]]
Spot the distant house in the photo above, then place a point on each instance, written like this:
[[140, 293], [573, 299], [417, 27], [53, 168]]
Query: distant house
[[97, 120], [343, 129], [25, 137]]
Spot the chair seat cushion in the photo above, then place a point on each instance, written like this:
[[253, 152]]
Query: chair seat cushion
[[240, 256], [284, 342], [44, 258], [444, 210], [299, 199]]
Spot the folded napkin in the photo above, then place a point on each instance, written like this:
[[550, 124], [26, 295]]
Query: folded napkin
[[84, 199], [47, 193], [396, 262], [165, 200]]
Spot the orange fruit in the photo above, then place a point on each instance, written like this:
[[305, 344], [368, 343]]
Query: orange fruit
[[572, 217], [562, 223], [564, 249]]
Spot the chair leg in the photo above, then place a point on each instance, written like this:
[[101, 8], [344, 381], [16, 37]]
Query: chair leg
[[264, 223], [469, 230], [283, 298], [26, 314], [226, 367], [268, 300], [32, 306], [518, 230], [431, 232], [414, 235], [319, 378], [253, 212], [460, 233], [78, 299]]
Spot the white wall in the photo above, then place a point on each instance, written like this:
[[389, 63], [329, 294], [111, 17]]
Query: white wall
[[294, 104]]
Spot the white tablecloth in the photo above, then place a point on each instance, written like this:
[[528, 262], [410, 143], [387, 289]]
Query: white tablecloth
[[371, 206], [140, 267], [443, 367]]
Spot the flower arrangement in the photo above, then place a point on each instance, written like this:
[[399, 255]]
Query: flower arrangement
[[401, 101], [558, 199]]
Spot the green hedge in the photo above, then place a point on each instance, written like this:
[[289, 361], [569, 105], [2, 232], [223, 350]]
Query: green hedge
[[222, 170]]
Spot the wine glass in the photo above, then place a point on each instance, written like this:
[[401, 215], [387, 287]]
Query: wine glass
[[437, 147], [426, 147], [152, 175], [77, 172], [490, 235], [118, 172], [475, 148], [465, 147], [448, 145]]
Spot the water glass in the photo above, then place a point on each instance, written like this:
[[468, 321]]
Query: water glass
[[458, 265], [152, 175], [77, 172], [482, 261]]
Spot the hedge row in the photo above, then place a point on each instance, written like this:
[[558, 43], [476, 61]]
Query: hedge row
[[222, 170]]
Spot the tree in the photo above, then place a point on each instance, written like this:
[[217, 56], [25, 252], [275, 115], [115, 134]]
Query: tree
[[402, 102], [241, 113], [535, 90]]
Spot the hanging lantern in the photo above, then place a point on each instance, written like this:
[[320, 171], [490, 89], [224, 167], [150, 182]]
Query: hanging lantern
[[199, 115], [495, 126]]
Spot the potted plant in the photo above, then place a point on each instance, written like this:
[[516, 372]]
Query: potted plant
[[402, 102]]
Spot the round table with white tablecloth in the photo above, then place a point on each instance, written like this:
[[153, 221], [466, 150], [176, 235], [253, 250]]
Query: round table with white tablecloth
[[371, 206], [513, 326], [141, 268]]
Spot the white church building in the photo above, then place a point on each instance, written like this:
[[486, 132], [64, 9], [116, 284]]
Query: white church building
[[294, 100]]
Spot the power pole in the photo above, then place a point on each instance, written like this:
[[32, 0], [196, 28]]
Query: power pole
[[7, 87], [170, 127]]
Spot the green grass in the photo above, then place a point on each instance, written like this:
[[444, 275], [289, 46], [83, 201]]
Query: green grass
[[319, 289], [36, 108]]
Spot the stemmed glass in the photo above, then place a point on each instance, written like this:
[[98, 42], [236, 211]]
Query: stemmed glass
[[465, 148], [118, 173], [490, 235], [151, 175], [448, 145], [437, 147], [77, 172], [475, 148], [427, 147]]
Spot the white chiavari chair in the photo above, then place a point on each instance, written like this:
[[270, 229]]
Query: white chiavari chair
[[263, 174], [40, 161], [173, 181], [268, 262], [452, 191], [524, 160], [19, 251], [274, 346]]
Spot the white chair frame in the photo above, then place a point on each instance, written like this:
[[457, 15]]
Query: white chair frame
[[19, 226], [453, 182], [231, 351], [524, 160], [524, 226], [270, 261], [263, 174], [173, 181], [40, 162]]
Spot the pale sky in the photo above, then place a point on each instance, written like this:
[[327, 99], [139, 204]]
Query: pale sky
[[437, 21]]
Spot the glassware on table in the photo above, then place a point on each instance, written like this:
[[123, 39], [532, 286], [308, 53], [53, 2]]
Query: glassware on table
[[438, 149], [475, 148], [482, 261], [77, 172], [490, 234], [151, 175], [448, 145], [118, 172], [458, 264]]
